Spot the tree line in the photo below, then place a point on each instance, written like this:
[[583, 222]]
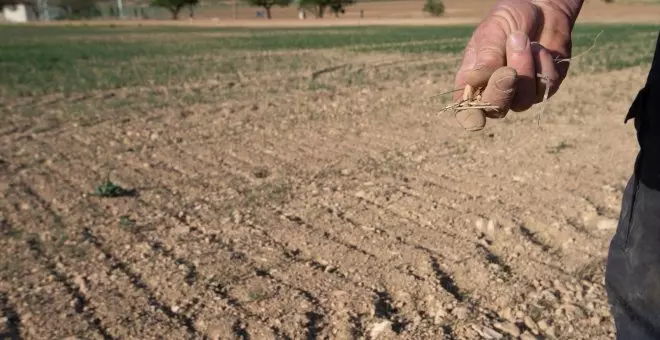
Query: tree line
[[78, 9], [81, 9]]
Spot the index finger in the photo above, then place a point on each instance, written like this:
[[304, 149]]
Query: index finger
[[467, 64]]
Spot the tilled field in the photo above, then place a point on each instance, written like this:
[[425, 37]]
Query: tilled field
[[254, 210]]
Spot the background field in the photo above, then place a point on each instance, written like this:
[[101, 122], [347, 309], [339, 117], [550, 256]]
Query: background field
[[268, 200]]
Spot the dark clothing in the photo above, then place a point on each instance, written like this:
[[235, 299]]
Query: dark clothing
[[633, 266]]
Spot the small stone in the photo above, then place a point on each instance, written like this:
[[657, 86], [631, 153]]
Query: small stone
[[81, 283], [180, 230], [439, 319], [544, 324], [507, 314], [236, 217], [154, 136], [490, 227], [175, 309], [549, 296], [551, 331], [531, 324], [607, 224], [490, 333], [380, 328], [561, 287], [527, 336], [346, 172], [480, 224], [508, 327], [574, 311], [440, 316], [460, 313]]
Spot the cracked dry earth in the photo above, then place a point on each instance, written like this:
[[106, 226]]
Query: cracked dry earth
[[333, 212]]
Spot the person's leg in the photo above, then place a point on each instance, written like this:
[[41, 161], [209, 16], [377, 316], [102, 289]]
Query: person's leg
[[633, 265]]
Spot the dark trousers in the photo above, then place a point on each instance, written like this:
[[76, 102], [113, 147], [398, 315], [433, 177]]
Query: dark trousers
[[633, 266]]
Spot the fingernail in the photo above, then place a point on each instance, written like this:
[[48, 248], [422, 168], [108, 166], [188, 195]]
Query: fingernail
[[518, 41], [506, 84]]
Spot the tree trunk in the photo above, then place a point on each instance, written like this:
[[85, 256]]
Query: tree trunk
[[175, 12], [321, 10], [268, 14], [192, 11]]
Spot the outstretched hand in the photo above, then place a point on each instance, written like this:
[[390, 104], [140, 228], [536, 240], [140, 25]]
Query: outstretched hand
[[517, 41]]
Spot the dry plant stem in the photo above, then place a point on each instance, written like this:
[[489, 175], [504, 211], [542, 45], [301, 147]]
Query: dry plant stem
[[447, 92], [545, 79], [471, 100]]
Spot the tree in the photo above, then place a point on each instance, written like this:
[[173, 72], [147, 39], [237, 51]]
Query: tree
[[174, 6], [76, 9], [268, 4], [318, 7], [434, 7]]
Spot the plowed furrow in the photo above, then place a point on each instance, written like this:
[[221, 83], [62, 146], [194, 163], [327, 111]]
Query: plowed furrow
[[46, 309], [10, 131], [288, 306], [464, 259], [206, 297], [412, 259], [480, 257], [348, 245], [144, 260], [519, 193], [469, 232], [353, 247], [296, 151], [72, 269], [140, 263], [509, 252], [348, 145], [324, 235], [138, 260], [473, 202], [352, 263], [11, 327], [388, 232], [80, 302], [403, 216]]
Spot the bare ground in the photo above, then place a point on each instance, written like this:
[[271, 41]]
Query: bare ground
[[328, 212]]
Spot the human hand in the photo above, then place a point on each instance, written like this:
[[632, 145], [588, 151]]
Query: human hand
[[517, 41]]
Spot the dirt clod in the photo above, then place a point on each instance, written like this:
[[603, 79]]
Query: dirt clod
[[508, 327], [379, 328]]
